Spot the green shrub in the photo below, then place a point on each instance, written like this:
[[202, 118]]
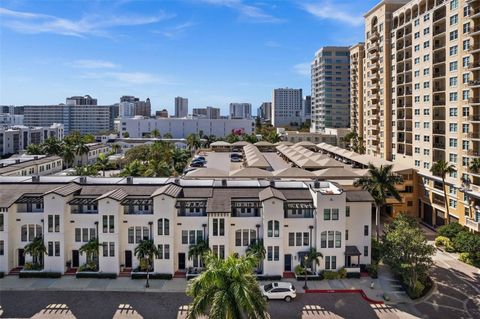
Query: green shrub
[[464, 257], [372, 270], [416, 290], [269, 278], [467, 242], [90, 266], [353, 275], [329, 275], [101, 275], [442, 241], [32, 266], [342, 273], [469, 259], [152, 276], [299, 270], [39, 274], [451, 230]]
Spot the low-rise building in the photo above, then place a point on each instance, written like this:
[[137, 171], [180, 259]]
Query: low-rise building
[[95, 149], [27, 165], [290, 217], [330, 136], [17, 138]]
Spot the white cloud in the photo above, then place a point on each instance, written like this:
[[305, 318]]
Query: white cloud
[[252, 13], [177, 30], [303, 69], [93, 64], [326, 10], [97, 25], [272, 44], [125, 77]]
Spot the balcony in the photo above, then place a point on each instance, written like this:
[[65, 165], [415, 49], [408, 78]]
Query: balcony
[[472, 224], [474, 118], [374, 36], [474, 100], [473, 135], [373, 48], [473, 31], [439, 145], [439, 103], [473, 153], [438, 131], [473, 66]]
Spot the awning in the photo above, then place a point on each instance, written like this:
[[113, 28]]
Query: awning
[[83, 201], [29, 199], [352, 251], [137, 201]]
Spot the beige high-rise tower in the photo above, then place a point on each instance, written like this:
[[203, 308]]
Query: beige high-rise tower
[[357, 55], [377, 107]]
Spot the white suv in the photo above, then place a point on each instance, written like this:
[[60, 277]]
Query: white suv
[[279, 290]]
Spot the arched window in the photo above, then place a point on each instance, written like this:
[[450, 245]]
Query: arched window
[[273, 228], [163, 227]]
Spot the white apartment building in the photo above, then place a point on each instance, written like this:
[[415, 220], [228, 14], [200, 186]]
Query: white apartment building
[[8, 119], [126, 109], [17, 138], [287, 107], [27, 165], [95, 149], [289, 216], [181, 107], [182, 127], [240, 110]]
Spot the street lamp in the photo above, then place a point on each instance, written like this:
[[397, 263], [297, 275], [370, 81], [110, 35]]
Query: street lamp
[[305, 258]]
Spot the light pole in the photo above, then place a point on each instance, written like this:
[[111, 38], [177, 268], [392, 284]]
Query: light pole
[[305, 258]]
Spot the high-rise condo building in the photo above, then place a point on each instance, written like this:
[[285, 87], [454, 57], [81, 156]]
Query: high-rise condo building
[[265, 111], [208, 112], [357, 55], [240, 110], [330, 88], [81, 100], [307, 108], [287, 107], [135, 106], [181, 107]]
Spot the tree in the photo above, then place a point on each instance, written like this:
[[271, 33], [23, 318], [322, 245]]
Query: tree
[[102, 163], [36, 249], [198, 250], [313, 258], [155, 133], [251, 138], [126, 134], [34, 149], [135, 168], [52, 146], [475, 165], [85, 170], [157, 168], [257, 250], [406, 250], [146, 252], [167, 135], [451, 230], [380, 184], [209, 140], [116, 148], [467, 242], [231, 138], [73, 138], [441, 169], [81, 148], [91, 249], [227, 289], [193, 142], [68, 154], [88, 138]]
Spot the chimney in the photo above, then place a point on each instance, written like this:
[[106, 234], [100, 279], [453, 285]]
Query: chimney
[[83, 179], [177, 180], [272, 183], [35, 178], [224, 183], [129, 179], [316, 184], [17, 161], [35, 157]]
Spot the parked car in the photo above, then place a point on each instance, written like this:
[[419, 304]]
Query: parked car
[[197, 164], [236, 149], [236, 155], [279, 290], [199, 161], [235, 159], [197, 157]]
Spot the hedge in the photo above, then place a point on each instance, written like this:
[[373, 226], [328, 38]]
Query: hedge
[[101, 275], [353, 275], [269, 278], [39, 274], [312, 278], [152, 276]]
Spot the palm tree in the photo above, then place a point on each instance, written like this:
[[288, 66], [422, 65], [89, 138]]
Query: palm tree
[[200, 249], [116, 148], [36, 249], [227, 289], [102, 163], [350, 140], [257, 250], [91, 249], [34, 149], [313, 258], [146, 252], [475, 165], [52, 146], [193, 142], [126, 134], [209, 140], [85, 170], [155, 133], [180, 159], [442, 168], [68, 154], [157, 168], [380, 184], [82, 149], [135, 168], [167, 135]]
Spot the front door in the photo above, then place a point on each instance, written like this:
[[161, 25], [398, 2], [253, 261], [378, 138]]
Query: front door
[[288, 262], [181, 261], [128, 259], [21, 258], [75, 259]]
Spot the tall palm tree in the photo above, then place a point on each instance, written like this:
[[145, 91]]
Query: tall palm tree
[[227, 289], [200, 249], [116, 148], [155, 133], [475, 165], [91, 249], [135, 168], [442, 168], [52, 146], [146, 252], [102, 163], [34, 149], [81, 149], [209, 139], [167, 135], [193, 142], [380, 184], [257, 250], [180, 159], [313, 258], [36, 249], [68, 154], [156, 168]]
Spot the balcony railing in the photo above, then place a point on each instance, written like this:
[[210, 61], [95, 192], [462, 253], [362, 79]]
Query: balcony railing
[[472, 224], [474, 118]]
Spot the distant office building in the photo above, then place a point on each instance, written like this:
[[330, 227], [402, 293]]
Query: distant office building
[[81, 117], [17, 138], [330, 88], [206, 112], [10, 109], [265, 111], [307, 108], [240, 110], [182, 127], [181, 107], [287, 107], [143, 108], [81, 100], [126, 109], [10, 119], [163, 113]]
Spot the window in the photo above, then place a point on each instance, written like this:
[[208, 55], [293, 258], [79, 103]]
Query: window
[[163, 251], [453, 35], [50, 248], [326, 214], [346, 234], [454, 19], [338, 239], [218, 227], [269, 253], [365, 251], [335, 214], [131, 235], [273, 228], [334, 262], [108, 223], [2, 222], [78, 235], [330, 238], [453, 4], [57, 248], [327, 262], [276, 253], [30, 231], [184, 237], [111, 247], [323, 239], [347, 211], [50, 223], [163, 227], [365, 230], [244, 237], [2, 248]]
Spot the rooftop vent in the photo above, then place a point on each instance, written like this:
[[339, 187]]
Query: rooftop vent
[[130, 180], [35, 178], [83, 179]]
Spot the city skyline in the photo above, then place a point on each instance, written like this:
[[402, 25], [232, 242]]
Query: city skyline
[[145, 49]]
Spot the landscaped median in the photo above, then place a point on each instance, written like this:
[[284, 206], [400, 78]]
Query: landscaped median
[[454, 238]]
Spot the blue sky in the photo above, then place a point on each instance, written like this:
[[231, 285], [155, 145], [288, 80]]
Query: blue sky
[[212, 51]]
